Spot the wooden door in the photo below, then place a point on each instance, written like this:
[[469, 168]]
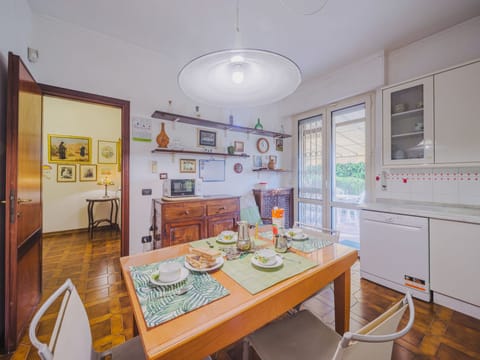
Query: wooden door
[[217, 224], [23, 206], [185, 231]]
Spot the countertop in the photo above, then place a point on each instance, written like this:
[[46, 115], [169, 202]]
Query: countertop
[[431, 210]]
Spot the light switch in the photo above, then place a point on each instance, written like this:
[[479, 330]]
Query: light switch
[[154, 166]]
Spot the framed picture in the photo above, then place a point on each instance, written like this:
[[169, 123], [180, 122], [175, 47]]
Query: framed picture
[[239, 146], [257, 161], [107, 152], [188, 165], [105, 170], [69, 149], [88, 173], [279, 144], [207, 138], [66, 173], [274, 158]]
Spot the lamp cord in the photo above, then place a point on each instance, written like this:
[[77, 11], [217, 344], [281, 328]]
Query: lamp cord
[[322, 5]]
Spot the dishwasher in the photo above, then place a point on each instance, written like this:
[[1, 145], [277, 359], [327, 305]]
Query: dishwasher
[[395, 252]]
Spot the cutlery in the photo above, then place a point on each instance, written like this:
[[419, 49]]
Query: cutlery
[[178, 292], [210, 245], [286, 258]]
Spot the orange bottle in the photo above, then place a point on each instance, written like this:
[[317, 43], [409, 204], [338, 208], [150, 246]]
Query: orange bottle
[[278, 221]]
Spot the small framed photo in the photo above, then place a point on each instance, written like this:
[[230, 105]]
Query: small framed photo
[[88, 173], [239, 146], [207, 138], [188, 165], [106, 170], [274, 158], [279, 144], [163, 176], [69, 149], [257, 161], [107, 152], [66, 173]]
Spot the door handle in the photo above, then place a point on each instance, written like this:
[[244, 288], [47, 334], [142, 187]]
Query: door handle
[[20, 201], [3, 201]]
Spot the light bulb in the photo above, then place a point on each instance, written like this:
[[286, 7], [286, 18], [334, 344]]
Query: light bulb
[[237, 74], [237, 59]]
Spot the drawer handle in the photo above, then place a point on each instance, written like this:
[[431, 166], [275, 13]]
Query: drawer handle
[[187, 212], [220, 209]]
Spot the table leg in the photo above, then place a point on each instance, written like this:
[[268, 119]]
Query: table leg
[[342, 302], [90, 218], [117, 205]]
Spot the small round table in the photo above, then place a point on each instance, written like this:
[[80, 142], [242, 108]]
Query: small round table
[[114, 205]]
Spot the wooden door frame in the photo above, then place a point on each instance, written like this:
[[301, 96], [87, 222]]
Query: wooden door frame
[[124, 106]]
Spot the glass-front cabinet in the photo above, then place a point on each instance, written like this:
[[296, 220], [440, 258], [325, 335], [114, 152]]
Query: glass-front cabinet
[[408, 123]]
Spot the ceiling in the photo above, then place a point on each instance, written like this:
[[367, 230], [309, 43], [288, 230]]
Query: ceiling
[[341, 33]]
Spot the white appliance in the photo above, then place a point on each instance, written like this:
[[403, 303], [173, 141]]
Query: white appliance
[[395, 252]]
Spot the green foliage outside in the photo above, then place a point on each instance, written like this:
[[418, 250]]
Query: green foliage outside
[[350, 178]]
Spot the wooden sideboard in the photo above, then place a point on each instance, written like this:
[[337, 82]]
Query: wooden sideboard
[[182, 221], [268, 199]]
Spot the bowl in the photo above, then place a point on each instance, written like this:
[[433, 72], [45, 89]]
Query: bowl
[[169, 271], [266, 256]]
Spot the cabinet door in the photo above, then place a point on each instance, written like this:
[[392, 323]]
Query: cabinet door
[[408, 123], [454, 265], [218, 224], [457, 119], [182, 232]]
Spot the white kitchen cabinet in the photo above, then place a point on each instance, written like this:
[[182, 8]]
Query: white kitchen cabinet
[[454, 260], [408, 123], [457, 115]]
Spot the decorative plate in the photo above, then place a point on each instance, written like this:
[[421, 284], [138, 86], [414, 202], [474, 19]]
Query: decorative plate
[[238, 168], [263, 145]]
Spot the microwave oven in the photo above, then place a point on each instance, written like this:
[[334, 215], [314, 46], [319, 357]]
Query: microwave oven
[[181, 187]]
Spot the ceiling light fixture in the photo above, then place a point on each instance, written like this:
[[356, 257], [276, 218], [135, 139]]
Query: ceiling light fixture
[[239, 77]]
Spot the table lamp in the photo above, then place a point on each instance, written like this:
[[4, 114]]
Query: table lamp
[[105, 181]]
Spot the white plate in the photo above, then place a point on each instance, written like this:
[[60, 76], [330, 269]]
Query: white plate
[[272, 266], [221, 239], [220, 261], [293, 232], [183, 275], [300, 237]]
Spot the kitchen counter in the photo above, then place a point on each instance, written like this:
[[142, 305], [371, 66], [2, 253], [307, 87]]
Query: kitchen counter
[[468, 214]]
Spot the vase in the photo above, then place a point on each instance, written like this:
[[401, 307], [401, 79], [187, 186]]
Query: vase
[[162, 138], [259, 125], [271, 164]]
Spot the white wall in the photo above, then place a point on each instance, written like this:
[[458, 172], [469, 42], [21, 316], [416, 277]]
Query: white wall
[[64, 203]]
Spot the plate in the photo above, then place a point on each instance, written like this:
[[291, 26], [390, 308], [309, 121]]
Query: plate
[[272, 266], [183, 275], [221, 238], [300, 237], [220, 261], [293, 232]]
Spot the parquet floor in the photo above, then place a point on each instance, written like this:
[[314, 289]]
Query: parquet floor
[[438, 332]]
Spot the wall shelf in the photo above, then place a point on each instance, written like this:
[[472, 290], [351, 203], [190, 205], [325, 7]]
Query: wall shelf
[[173, 151], [271, 170], [217, 125]]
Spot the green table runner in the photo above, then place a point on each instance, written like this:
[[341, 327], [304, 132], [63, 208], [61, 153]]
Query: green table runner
[[307, 246], [161, 303], [213, 244], [256, 279]]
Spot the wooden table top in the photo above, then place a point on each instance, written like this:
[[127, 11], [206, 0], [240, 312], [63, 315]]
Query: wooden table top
[[216, 325]]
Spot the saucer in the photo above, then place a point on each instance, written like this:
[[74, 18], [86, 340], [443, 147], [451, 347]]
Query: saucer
[[154, 279], [277, 263], [220, 260], [223, 240], [301, 236]]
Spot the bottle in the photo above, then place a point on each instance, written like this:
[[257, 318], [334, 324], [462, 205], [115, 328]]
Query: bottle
[[278, 221], [259, 125]]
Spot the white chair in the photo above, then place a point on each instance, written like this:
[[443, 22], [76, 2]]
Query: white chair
[[71, 338], [306, 337]]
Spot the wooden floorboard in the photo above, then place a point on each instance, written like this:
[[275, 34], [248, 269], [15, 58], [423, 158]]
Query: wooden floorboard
[[93, 266]]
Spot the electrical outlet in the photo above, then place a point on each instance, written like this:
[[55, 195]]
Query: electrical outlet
[[146, 191]]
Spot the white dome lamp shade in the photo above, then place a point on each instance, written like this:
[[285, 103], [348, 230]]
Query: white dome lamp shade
[[239, 78]]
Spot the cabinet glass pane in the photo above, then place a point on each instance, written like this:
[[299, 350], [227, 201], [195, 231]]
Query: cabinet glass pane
[[407, 123]]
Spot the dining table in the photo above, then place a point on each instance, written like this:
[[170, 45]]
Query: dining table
[[220, 323]]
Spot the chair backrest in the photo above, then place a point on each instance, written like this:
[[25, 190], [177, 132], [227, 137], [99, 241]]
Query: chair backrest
[[71, 338], [375, 340], [319, 232]]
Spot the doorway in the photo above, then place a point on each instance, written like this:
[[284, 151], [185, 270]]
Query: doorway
[[122, 163]]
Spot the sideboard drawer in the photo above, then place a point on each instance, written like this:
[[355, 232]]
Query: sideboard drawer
[[179, 212], [222, 207]]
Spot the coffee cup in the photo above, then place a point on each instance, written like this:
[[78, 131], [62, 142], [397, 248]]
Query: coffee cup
[[265, 256], [169, 271]]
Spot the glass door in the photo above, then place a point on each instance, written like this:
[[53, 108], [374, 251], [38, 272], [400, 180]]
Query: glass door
[[333, 167]]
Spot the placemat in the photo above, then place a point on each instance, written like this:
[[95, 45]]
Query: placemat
[[255, 279], [307, 246], [161, 303], [213, 244]]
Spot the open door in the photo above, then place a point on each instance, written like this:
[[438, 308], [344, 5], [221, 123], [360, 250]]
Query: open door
[[23, 203]]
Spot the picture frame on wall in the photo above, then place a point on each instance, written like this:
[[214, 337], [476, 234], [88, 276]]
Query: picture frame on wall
[[239, 146], [69, 149], [105, 170], [188, 165], [279, 144], [66, 173], [107, 152], [88, 172], [207, 138]]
